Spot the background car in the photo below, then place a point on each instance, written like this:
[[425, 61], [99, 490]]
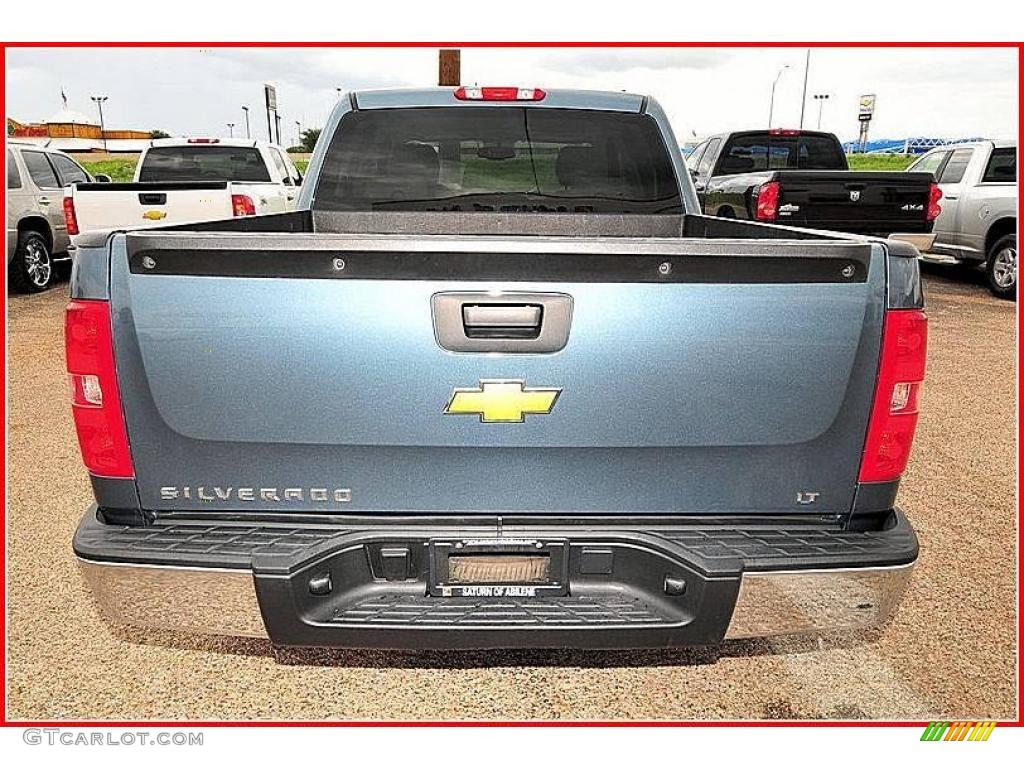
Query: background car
[[37, 237], [978, 222]]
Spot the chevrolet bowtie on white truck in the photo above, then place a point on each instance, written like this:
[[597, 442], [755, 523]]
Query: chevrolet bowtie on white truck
[[188, 180], [495, 383]]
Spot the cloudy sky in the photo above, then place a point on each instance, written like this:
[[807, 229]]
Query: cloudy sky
[[930, 92]]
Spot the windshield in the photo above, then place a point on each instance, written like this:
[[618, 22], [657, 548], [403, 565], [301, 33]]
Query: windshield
[[748, 153], [203, 163], [504, 159]]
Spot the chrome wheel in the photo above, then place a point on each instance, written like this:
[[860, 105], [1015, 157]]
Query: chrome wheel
[[37, 263], [1004, 267]]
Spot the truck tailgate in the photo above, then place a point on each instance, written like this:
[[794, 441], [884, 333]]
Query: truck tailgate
[[309, 372], [852, 201], [100, 206]]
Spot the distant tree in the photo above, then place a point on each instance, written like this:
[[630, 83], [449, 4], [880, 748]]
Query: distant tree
[[309, 138], [158, 134]]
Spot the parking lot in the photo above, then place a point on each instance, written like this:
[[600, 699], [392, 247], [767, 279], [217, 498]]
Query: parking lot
[[948, 654]]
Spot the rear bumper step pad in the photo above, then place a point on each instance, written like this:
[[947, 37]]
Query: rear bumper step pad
[[375, 585]]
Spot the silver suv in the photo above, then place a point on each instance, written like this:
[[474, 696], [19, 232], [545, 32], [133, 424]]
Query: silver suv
[[978, 223], [37, 236]]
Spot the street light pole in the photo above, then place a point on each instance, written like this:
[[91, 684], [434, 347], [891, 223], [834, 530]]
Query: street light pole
[[298, 132], [103, 131], [771, 102], [248, 135], [821, 98], [803, 99], [231, 130]]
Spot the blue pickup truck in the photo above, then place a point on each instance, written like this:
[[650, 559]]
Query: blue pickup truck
[[496, 383]]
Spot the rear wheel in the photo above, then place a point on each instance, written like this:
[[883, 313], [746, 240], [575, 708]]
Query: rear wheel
[[31, 270], [1001, 267]]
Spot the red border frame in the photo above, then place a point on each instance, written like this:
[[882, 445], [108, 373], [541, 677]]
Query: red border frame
[[4, 722]]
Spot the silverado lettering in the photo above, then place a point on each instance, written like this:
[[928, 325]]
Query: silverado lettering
[[218, 493]]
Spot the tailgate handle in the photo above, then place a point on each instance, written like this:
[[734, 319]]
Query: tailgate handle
[[502, 321], [153, 198], [525, 322]]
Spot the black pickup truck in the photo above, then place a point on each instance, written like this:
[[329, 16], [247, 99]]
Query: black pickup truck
[[801, 178]]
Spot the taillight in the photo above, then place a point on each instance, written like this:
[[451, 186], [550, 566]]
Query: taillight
[[894, 411], [934, 195], [767, 201], [242, 205], [499, 94], [95, 398], [70, 219], [783, 132]]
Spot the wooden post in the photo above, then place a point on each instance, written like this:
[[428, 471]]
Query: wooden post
[[449, 69]]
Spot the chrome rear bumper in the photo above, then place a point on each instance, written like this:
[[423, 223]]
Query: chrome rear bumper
[[217, 601], [790, 602], [223, 601]]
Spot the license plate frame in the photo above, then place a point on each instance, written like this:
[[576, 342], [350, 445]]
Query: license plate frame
[[441, 584]]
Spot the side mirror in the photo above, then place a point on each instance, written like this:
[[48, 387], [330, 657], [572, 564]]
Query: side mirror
[[102, 178]]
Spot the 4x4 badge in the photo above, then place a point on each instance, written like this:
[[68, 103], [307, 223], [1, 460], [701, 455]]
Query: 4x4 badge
[[502, 400]]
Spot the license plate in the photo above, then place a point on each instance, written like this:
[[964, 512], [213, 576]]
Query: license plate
[[497, 568], [504, 568]]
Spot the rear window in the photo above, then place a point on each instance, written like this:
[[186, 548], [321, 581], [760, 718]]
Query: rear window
[[1002, 165], [70, 171], [763, 152], [13, 177], [498, 159], [203, 163]]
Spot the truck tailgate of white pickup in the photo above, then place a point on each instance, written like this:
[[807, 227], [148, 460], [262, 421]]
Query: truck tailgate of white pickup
[[99, 206]]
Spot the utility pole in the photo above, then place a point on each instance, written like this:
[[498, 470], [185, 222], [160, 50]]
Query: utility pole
[[449, 66], [803, 99], [231, 130], [298, 132], [248, 134], [821, 98], [771, 102], [103, 131]]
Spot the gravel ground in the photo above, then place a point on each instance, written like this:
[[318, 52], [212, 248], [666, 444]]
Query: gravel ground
[[949, 653]]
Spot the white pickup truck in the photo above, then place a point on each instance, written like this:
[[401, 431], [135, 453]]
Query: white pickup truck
[[188, 180]]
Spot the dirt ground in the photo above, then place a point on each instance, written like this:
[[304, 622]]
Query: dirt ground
[[948, 654]]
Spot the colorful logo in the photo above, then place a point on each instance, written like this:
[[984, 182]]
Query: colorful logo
[[958, 731], [502, 401]]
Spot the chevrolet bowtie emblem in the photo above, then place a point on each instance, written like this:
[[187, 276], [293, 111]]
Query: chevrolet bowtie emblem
[[502, 401], [154, 215]]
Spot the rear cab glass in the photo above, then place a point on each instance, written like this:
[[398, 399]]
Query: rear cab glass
[[204, 163], [753, 152], [1002, 166], [504, 159]]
